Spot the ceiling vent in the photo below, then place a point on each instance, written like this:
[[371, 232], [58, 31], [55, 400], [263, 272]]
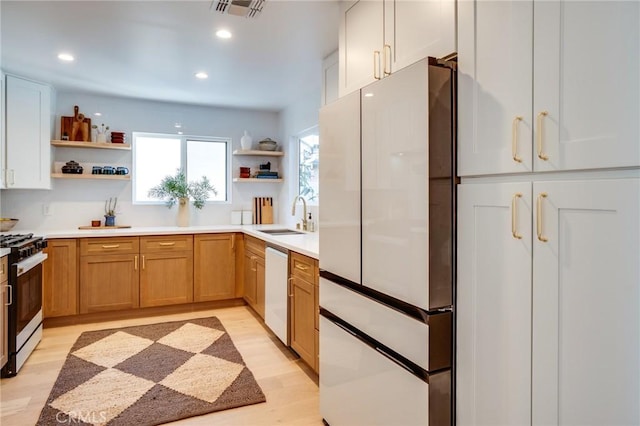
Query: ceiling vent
[[246, 8]]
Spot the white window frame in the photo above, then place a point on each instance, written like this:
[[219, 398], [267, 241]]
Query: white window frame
[[183, 161], [313, 130]]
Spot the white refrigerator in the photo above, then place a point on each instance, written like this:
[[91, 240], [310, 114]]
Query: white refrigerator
[[387, 179]]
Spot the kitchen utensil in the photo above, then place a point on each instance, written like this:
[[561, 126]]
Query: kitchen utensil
[[108, 170], [267, 144], [96, 170], [77, 127], [267, 210], [122, 171], [6, 224]]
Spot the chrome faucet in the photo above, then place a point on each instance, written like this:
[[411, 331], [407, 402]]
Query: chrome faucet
[[304, 213]]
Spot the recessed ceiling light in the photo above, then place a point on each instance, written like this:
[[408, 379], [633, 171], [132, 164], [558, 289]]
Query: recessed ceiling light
[[97, 114], [178, 125], [223, 34], [202, 75], [368, 95], [66, 57], [179, 133]]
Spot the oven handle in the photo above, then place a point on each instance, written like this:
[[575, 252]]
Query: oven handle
[[31, 262]]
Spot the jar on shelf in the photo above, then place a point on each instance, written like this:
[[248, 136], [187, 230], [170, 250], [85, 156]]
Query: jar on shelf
[[245, 141]]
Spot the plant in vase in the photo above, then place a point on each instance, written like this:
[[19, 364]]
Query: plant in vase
[[110, 212], [101, 132], [176, 189]]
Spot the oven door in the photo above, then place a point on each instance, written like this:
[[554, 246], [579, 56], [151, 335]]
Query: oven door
[[28, 290]]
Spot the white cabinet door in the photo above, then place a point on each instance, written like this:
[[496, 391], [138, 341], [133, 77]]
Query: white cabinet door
[[494, 92], [586, 303], [586, 78], [361, 34], [395, 177], [3, 158], [494, 304], [28, 134], [415, 29], [340, 186]]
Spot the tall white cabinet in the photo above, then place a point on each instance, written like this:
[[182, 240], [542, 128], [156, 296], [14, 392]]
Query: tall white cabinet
[[28, 134], [548, 291]]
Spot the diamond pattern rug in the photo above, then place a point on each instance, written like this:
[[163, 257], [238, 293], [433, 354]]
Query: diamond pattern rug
[[149, 375]]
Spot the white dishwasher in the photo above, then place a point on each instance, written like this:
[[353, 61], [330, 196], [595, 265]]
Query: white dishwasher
[[276, 293]]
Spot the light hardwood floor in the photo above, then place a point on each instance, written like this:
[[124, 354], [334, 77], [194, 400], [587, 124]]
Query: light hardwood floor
[[289, 385]]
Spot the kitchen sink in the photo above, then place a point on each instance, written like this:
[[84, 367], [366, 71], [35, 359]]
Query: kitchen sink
[[281, 231]]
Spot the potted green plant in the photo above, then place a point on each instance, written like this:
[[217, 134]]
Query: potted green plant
[[176, 190], [110, 212]]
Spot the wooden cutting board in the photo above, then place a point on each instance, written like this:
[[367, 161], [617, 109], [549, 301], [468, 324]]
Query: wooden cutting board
[[77, 128], [263, 210]]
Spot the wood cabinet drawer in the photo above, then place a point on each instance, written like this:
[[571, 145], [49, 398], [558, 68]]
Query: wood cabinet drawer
[[304, 267], [255, 245], [164, 243], [111, 245], [4, 269]]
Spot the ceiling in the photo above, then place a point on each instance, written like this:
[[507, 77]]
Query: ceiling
[[152, 49]]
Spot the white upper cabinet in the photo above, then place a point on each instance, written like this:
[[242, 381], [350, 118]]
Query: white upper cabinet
[[379, 37], [28, 137], [340, 187], [577, 65], [495, 39], [586, 86]]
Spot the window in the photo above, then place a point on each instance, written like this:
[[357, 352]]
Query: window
[[158, 155], [308, 159]]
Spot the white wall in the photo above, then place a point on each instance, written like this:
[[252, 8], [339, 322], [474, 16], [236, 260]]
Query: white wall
[[76, 202], [295, 119]]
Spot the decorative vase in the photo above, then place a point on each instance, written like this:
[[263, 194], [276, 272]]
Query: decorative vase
[[183, 212], [245, 141], [101, 137], [109, 220]]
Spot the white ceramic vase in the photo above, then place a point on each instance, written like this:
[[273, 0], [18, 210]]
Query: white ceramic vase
[[245, 141], [183, 212], [101, 137]]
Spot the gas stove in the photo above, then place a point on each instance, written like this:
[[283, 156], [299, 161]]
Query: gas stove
[[22, 245]]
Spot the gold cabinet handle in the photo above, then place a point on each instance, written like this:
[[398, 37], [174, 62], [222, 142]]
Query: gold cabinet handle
[[135, 263], [539, 217], [541, 154], [384, 58], [255, 262], [514, 216], [110, 246], [143, 263], [514, 139], [376, 64], [301, 267], [233, 242], [290, 290], [172, 243]]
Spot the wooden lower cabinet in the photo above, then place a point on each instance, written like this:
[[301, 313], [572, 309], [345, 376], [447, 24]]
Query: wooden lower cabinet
[[4, 311], [60, 278], [166, 278], [254, 275], [108, 282], [214, 276], [303, 338]]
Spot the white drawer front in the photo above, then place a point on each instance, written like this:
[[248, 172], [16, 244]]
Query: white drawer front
[[403, 334]]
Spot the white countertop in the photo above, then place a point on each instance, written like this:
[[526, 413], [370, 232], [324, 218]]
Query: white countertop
[[4, 252], [306, 243]]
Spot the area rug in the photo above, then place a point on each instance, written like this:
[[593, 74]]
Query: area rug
[[149, 375]]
